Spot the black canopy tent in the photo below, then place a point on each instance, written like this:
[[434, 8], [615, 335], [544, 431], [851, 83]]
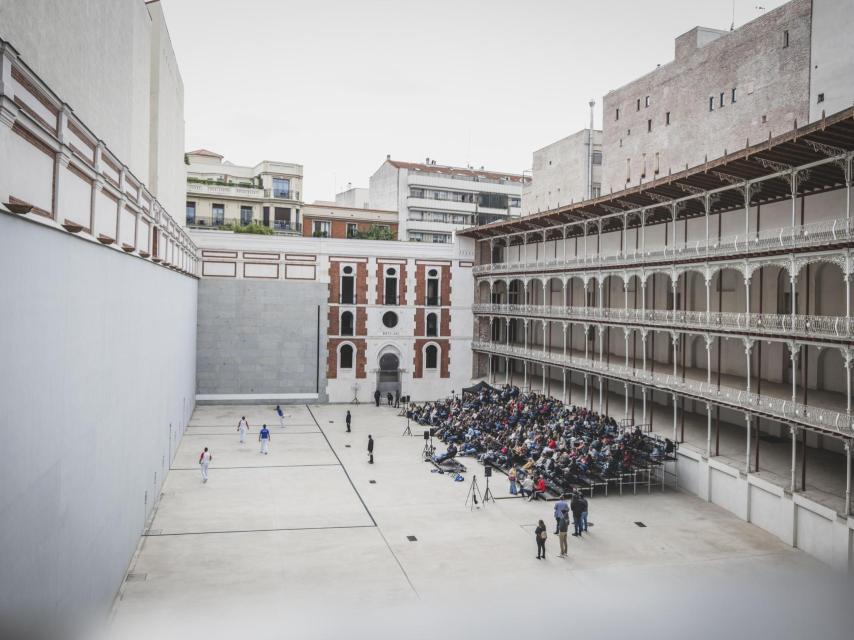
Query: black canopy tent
[[476, 389]]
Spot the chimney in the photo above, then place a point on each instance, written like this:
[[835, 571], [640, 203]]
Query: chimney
[[388, 156]]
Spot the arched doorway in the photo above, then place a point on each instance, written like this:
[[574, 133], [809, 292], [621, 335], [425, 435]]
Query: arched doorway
[[388, 375]]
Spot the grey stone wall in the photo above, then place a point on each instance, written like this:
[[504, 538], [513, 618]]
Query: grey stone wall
[[257, 337]]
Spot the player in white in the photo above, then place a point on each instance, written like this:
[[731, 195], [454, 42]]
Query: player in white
[[243, 428], [204, 461]]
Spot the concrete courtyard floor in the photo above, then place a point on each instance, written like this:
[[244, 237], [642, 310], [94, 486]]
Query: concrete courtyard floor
[[312, 541]]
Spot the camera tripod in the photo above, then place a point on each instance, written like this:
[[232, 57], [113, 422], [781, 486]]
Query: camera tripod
[[407, 431], [474, 493], [428, 450]]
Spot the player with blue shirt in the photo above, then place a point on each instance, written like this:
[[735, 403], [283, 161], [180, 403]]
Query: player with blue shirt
[[264, 437], [281, 415]]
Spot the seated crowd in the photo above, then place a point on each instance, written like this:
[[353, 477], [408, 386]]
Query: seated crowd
[[537, 439]]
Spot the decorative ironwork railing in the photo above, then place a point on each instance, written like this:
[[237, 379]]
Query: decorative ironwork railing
[[780, 408], [814, 234], [831, 327]]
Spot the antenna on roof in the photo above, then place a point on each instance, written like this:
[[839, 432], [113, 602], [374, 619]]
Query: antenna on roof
[[732, 24]]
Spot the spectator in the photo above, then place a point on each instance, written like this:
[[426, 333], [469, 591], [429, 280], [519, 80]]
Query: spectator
[[377, 397], [561, 509], [541, 535], [527, 487], [562, 527], [511, 475], [539, 489], [577, 507]]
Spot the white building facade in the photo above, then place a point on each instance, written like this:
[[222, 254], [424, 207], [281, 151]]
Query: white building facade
[[434, 201], [220, 193]]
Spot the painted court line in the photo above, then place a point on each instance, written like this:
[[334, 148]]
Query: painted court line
[[261, 466], [205, 533]]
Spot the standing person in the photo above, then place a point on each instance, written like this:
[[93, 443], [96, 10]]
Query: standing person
[[577, 509], [204, 461], [397, 399], [562, 528], [527, 487], [281, 415], [511, 476], [377, 397], [583, 513], [243, 429], [389, 398], [264, 438], [348, 420], [370, 450], [540, 533], [560, 508]]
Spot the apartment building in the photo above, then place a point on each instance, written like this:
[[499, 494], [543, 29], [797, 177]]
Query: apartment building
[[220, 193], [332, 220], [566, 171], [436, 200], [357, 197], [728, 90]]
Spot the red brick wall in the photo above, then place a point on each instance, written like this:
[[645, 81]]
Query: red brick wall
[[361, 321], [421, 284], [334, 321], [445, 323], [420, 322], [361, 283], [401, 282], [360, 359], [334, 282], [445, 286], [339, 227], [444, 357]]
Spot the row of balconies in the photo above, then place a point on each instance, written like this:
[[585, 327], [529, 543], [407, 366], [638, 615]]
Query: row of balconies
[[814, 234], [779, 408], [830, 327]]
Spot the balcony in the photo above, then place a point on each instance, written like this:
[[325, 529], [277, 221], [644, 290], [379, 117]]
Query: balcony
[[230, 191], [286, 228], [826, 327], [278, 194], [778, 408], [815, 234]]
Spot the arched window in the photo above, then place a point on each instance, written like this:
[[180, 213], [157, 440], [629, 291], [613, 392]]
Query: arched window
[[432, 325], [347, 323], [345, 359], [431, 357], [348, 286], [390, 290]]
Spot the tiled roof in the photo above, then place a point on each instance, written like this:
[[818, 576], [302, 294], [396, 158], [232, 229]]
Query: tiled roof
[[204, 152]]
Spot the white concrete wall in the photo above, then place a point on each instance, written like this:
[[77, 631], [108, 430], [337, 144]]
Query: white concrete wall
[[98, 352], [95, 54], [793, 518], [831, 56], [166, 134]]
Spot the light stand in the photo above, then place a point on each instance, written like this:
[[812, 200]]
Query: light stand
[[428, 450], [487, 495], [473, 494], [407, 431]]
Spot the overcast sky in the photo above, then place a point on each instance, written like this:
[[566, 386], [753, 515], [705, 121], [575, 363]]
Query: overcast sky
[[335, 85]]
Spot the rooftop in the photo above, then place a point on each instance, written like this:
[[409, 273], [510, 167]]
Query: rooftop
[[430, 166], [800, 146]]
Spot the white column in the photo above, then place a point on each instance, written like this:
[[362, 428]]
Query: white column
[[675, 409], [564, 341], [674, 337], [747, 295], [507, 370], [708, 430], [563, 396], [643, 231], [793, 356], [847, 478], [707, 206], [626, 331], [847, 362], [585, 389], [545, 331], [601, 406], [626, 400], [708, 340], [601, 330], [708, 300], [586, 341], [793, 181], [643, 351], [643, 393], [747, 454], [748, 349], [794, 431]]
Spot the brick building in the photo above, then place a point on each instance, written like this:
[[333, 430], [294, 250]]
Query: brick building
[[332, 220]]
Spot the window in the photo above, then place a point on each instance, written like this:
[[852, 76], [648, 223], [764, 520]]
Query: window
[[281, 188], [345, 358], [617, 114], [432, 288], [764, 119], [711, 103], [191, 212], [390, 319], [657, 166], [648, 126], [245, 214], [628, 169], [597, 190], [390, 289], [722, 99], [638, 104], [321, 228], [667, 118], [597, 157], [432, 324], [431, 358], [517, 202], [732, 97], [217, 214], [646, 101], [352, 229], [785, 38], [348, 295], [628, 132], [347, 323], [820, 98]]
